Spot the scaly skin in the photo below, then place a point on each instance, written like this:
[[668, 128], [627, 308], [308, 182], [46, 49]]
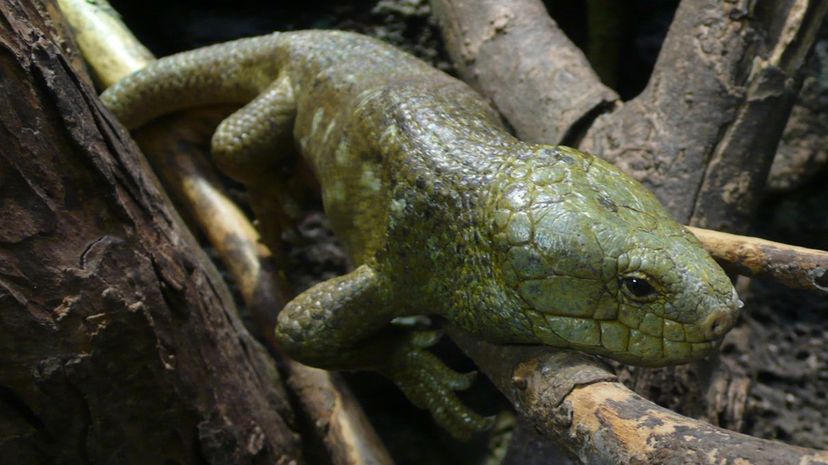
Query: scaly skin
[[444, 213]]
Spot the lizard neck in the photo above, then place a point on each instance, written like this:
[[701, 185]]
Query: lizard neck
[[444, 250]]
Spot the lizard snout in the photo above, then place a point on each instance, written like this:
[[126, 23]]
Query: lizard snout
[[719, 322]]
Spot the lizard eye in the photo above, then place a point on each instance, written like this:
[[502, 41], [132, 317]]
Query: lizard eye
[[637, 288]]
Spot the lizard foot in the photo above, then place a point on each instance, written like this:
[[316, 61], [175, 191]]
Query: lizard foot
[[429, 384]]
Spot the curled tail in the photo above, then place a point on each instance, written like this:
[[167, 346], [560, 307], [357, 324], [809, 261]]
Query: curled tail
[[232, 72]]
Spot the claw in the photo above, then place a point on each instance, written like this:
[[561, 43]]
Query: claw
[[460, 381], [466, 422], [412, 322], [488, 423], [425, 339], [468, 379]]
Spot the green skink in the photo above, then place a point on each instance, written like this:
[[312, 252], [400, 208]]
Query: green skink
[[443, 213]]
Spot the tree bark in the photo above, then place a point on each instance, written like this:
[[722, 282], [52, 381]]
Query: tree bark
[[703, 133], [119, 342], [803, 150]]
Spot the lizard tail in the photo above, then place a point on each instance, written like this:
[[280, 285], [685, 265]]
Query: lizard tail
[[229, 73]]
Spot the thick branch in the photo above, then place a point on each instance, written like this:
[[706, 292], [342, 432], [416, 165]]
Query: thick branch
[[703, 133], [803, 149], [504, 50], [575, 400]]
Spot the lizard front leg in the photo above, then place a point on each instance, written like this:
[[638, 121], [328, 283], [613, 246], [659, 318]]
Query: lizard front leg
[[343, 323]]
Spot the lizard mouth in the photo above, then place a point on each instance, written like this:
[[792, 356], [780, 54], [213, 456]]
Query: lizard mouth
[[648, 341]]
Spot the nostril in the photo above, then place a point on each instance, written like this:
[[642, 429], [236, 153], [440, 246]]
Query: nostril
[[718, 324]]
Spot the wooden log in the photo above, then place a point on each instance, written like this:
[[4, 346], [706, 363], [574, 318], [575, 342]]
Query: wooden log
[[120, 342]]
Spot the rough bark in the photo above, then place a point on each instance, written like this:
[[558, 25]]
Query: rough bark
[[119, 343], [803, 150], [703, 133]]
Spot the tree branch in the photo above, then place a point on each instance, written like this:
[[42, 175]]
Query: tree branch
[[575, 400], [703, 133], [796, 267], [504, 50], [803, 149]]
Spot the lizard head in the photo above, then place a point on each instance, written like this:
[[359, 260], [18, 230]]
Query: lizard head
[[596, 263]]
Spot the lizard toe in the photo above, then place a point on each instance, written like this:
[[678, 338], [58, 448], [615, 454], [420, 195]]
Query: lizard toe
[[429, 384], [425, 339]]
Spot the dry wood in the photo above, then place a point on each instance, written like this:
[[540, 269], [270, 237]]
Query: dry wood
[[120, 342], [575, 400], [504, 49], [177, 150], [796, 267]]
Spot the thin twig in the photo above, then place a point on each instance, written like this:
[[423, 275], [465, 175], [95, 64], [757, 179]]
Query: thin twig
[[793, 266]]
